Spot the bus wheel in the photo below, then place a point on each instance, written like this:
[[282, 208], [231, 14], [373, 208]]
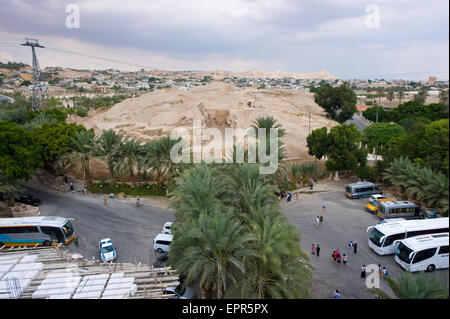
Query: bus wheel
[[47, 243], [159, 250], [431, 268]]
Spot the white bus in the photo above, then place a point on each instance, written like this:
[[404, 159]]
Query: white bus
[[31, 231], [383, 235], [421, 253]]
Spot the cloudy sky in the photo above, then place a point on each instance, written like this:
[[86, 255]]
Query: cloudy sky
[[348, 38]]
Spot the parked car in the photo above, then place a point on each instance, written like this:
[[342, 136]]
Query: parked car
[[161, 259], [107, 250], [375, 197], [179, 292], [29, 200], [162, 242], [166, 228]]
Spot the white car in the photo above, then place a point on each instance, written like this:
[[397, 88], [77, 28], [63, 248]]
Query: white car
[[107, 251], [162, 242], [375, 197], [166, 228]]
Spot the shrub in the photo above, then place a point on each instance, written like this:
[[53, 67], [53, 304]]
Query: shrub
[[143, 190], [367, 173]]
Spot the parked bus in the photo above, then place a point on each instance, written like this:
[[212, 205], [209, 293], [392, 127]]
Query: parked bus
[[420, 253], [41, 231], [383, 236], [361, 189], [372, 206], [402, 208]]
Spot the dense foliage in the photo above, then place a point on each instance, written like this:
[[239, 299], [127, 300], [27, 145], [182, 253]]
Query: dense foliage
[[338, 102]]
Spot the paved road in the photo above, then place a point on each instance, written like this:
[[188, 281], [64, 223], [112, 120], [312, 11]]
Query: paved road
[[132, 230], [361, 123], [344, 220]]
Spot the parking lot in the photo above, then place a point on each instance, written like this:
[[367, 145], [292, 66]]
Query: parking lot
[[344, 220], [133, 229]]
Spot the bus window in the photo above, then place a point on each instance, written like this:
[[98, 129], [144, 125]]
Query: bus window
[[424, 254], [54, 233], [390, 239], [443, 250]]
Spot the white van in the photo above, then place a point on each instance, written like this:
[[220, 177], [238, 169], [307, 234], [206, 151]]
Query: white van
[[162, 242]]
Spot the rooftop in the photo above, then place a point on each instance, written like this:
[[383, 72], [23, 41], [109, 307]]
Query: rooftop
[[52, 273]]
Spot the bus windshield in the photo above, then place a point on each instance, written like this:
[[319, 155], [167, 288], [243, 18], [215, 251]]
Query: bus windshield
[[403, 253], [375, 237], [68, 229]]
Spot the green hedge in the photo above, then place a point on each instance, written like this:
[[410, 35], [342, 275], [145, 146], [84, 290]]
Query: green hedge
[[143, 190]]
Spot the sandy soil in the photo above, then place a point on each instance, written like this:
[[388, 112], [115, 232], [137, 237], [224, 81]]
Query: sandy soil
[[218, 105]]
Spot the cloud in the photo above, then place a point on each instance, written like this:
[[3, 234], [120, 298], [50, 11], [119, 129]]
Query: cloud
[[295, 36]]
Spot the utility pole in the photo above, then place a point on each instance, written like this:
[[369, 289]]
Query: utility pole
[[37, 97]]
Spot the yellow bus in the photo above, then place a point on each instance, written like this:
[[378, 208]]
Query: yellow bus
[[31, 231]]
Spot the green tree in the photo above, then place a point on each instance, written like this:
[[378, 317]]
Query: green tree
[[421, 96], [390, 95], [436, 135], [129, 151], [107, 147], [55, 140], [317, 143], [339, 102], [376, 135], [213, 248], [400, 96], [407, 287], [19, 153], [84, 150], [344, 152], [371, 114], [380, 94]]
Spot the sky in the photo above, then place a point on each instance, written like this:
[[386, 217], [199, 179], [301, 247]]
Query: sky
[[351, 39]]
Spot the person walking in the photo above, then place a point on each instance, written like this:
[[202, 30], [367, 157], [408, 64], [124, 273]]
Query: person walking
[[71, 186], [385, 273], [138, 203], [296, 195], [344, 259], [317, 221], [324, 206], [313, 249], [75, 241], [85, 189], [336, 294], [355, 246], [321, 220], [104, 200], [363, 272], [380, 270], [318, 250], [338, 256], [350, 245], [334, 256]]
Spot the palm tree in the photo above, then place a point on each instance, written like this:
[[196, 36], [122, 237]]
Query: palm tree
[[380, 94], [83, 151], [107, 147], [211, 249], [400, 95], [280, 268], [421, 96], [390, 95], [406, 287], [200, 190], [130, 150]]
